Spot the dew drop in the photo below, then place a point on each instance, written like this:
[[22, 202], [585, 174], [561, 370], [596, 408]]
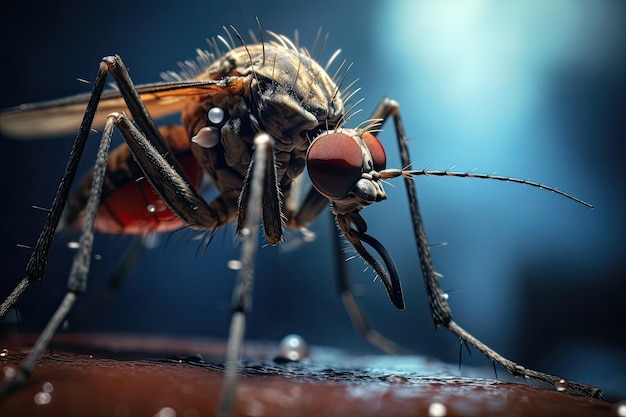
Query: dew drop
[[166, 412], [151, 208], [4, 353], [445, 296], [234, 264], [293, 347], [73, 245], [42, 398], [207, 137], [244, 232], [9, 372], [396, 379], [561, 385], [48, 387], [620, 408], [216, 115], [437, 410], [97, 257]]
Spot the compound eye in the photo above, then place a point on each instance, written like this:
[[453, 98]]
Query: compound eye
[[334, 162], [376, 150]]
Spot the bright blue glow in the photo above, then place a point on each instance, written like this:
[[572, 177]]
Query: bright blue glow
[[533, 89]]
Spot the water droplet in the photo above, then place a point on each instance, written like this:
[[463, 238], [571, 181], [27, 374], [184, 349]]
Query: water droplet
[[234, 264], [207, 137], [244, 231], [42, 398], [166, 412], [437, 410], [561, 385], [9, 372], [151, 208], [396, 379], [97, 257], [620, 408], [293, 347], [4, 353], [48, 387], [216, 115], [73, 245], [445, 296]]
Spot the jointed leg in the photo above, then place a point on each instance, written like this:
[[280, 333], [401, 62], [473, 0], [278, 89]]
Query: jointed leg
[[439, 307], [252, 197], [37, 263], [157, 163], [312, 205], [168, 178], [77, 281]]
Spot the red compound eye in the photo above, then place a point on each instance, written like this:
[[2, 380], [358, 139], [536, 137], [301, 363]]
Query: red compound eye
[[334, 162], [376, 150]]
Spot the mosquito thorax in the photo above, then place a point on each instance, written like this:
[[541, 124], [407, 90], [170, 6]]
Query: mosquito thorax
[[293, 94]]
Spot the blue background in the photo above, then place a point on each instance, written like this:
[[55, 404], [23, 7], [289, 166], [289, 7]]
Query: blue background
[[528, 89]]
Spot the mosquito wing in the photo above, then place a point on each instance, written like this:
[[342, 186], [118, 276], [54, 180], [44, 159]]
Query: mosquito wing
[[63, 116]]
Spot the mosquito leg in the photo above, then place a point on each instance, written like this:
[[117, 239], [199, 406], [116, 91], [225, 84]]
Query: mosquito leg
[[173, 187], [37, 263], [353, 309], [441, 313], [260, 167], [113, 65], [116, 281], [312, 205], [77, 281], [271, 203], [439, 307]]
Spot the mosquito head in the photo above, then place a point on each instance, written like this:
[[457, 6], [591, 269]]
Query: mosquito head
[[344, 166]]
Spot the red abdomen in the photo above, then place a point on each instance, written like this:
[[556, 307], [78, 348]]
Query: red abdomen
[[128, 203], [136, 208]]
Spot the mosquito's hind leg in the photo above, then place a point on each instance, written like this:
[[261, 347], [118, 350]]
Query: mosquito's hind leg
[[37, 263], [77, 281], [441, 312]]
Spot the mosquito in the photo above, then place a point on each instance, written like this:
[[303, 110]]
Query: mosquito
[[252, 119]]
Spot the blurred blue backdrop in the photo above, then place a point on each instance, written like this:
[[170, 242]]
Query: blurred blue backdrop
[[529, 89]]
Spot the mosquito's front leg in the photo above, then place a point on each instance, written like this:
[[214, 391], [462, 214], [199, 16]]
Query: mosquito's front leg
[[439, 307], [442, 315], [253, 197]]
